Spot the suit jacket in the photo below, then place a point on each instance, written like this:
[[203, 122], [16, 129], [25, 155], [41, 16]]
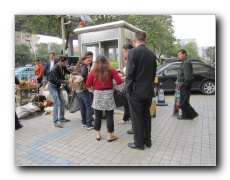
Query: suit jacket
[[140, 72], [47, 67], [186, 73]]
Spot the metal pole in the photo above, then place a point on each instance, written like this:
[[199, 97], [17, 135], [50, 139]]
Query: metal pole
[[63, 35]]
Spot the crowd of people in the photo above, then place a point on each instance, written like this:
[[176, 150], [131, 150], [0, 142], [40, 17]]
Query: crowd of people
[[97, 97]]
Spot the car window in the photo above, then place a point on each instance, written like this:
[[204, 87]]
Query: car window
[[170, 60], [198, 68], [172, 69], [28, 70]]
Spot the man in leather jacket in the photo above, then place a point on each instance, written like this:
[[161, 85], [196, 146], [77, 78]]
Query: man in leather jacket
[[56, 79], [185, 80]]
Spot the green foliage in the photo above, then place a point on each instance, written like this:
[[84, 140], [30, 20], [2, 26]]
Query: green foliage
[[76, 53], [159, 29], [22, 55], [192, 50], [56, 48], [114, 64], [210, 51], [44, 23], [42, 51]]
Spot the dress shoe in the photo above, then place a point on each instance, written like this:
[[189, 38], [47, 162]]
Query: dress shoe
[[19, 127], [195, 116], [148, 143], [182, 118], [133, 146], [130, 131]]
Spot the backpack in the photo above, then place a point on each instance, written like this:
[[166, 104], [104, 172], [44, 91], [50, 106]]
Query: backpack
[[76, 81]]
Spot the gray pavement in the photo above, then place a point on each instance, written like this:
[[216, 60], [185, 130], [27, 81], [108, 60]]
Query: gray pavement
[[175, 142]]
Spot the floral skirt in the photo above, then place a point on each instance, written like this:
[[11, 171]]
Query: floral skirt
[[103, 100]]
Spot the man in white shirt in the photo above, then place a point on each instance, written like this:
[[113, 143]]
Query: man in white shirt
[[49, 64]]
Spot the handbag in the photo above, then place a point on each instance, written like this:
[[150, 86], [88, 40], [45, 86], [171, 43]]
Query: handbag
[[73, 105], [119, 98]]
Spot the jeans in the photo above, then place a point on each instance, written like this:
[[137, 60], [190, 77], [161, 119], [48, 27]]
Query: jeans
[[85, 103], [109, 120], [59, 101]]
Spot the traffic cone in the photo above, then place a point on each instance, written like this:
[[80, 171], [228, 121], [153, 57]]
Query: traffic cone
[[161, 96]]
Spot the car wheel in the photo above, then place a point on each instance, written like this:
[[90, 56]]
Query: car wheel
[[208, 88]]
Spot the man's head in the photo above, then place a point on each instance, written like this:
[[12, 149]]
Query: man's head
[[139, 38], [182, 54], [52, 56], [63, 60], [89, 55]]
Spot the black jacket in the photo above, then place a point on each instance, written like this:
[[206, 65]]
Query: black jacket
[[83, 70], [141, 72], [186, 73], [47, 67], [57, 75], [16, 80]]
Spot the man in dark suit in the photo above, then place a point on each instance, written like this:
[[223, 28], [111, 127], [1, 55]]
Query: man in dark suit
[[185, 80], [139, 84], [49, 64]]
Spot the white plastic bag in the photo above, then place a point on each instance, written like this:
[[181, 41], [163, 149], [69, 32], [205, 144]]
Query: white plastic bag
[[22, 112]]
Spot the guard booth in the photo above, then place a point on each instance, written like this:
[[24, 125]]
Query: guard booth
[[107, 39]]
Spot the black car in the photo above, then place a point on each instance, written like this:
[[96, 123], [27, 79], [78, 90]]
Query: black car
[[204, 77], [171, 60]]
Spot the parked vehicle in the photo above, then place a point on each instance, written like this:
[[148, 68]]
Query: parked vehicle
[[170, 60], [204, 77], [24, 72]]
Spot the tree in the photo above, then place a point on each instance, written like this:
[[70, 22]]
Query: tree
[[210, 51], [56, 48], [159, 28], [22, 55], [42, 51], [192, 50], [45, 23]]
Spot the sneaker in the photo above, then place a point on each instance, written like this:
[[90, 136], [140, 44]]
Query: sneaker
[[122, 122], [58, 124], [90, 127], [65, 120], [83, 125]]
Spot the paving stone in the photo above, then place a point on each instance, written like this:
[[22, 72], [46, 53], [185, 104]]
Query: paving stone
[[174, 142]]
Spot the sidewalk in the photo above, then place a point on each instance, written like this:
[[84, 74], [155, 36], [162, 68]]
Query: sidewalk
[[175, 142]]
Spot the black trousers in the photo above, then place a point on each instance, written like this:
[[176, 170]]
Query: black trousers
[[109, 120], [186, 108], [126, 109], [141, 119]]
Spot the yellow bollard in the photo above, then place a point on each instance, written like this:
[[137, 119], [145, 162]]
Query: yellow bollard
[[153, 105], [153, 108]]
